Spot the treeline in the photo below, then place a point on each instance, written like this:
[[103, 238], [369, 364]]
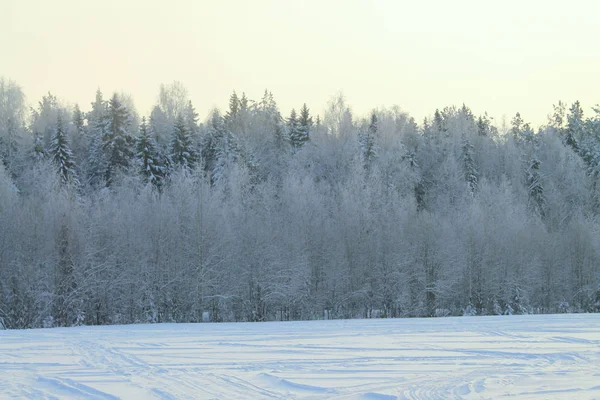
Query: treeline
[[107, 217]]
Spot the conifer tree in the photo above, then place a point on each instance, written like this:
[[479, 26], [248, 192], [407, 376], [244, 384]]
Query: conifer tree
[[9, 145], [61, 154], [117, 143], [467, 113], [98, 128], [79, 139], [281, 139], [147, 157], [294, 133], [38, 147], [219, 148], [191, 119], [485, 127], [470, 170], [535, 189], [65, 284], [244, 106], [301, 134], [234, 107], [574, 131], [438, 122], [516, 125], [521, 131], [367, 141], [78, 121], [160, 127], [267, 104], [182, 149]]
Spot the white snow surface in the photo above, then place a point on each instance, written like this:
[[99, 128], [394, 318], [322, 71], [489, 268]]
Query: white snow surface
[[523, 357]]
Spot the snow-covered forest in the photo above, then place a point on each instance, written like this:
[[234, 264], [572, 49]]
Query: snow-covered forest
[[255, 214]]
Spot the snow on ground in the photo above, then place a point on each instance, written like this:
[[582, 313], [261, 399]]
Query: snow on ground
[[524, 357]]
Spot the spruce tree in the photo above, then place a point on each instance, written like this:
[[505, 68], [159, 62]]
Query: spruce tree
[[10, 144], [367, 141], [295, 134], [438, 122], [79, 139], [535, 189], [470, 170], [302, 133], [78, 121], [160, 127], [38, 147], [234, 107], [61, 154], [117, 143], [182, 149], [244, 107], [147, 156], [191, 119], [98, 128], [219, 148], [574, 131]]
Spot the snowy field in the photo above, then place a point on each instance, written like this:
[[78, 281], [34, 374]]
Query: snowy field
[[524, 357]]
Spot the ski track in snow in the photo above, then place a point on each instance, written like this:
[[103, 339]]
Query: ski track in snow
[[525, 357]]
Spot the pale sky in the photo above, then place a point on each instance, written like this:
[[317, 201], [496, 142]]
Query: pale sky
[[495, 56]]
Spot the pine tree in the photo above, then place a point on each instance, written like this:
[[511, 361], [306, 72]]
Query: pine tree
[[467, 113], [268, 105], [521, 131], [147, 157], [517, 123], [557, 119], [182, 149], [117, 143], [61, 154], [485, 127]]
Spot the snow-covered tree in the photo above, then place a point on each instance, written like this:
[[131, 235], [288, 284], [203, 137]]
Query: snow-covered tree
[[294, 131], [98, 125], [535, 189], [300, 131], [219, 149], [470, 169], [574, 130], [117, 142], [60, 152], [147, 157], [182, 153], [367, 141]]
